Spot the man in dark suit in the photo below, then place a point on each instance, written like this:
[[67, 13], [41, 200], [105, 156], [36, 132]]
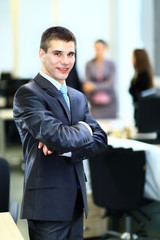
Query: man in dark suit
[[56, 138]]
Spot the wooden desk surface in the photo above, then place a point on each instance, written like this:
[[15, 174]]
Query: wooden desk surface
[[8, 228], [117, 128], [6, 114]]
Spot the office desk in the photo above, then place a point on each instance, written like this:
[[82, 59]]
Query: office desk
[[117, 128], [118, 139], [8, 228]]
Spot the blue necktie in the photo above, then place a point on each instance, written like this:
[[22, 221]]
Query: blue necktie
[[63, 91]]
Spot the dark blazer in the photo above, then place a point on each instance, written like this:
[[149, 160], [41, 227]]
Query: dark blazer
[[141, 83], [50, 184]]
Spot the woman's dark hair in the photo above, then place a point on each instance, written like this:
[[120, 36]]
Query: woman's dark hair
[[142, 63], [56, 33]]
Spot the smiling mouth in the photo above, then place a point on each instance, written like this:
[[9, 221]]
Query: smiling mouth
[[63, 69]]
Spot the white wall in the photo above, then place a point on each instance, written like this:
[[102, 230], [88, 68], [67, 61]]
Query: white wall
[[34, 17], [147, 28], [128, 23], [6, 52]]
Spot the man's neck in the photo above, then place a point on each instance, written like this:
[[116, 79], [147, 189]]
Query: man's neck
[[56, 83]]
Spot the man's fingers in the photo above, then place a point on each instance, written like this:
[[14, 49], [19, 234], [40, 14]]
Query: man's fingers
[[45, 149], [40, 145], [49, 152]]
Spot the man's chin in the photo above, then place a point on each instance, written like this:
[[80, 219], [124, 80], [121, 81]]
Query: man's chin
[[62, 78]]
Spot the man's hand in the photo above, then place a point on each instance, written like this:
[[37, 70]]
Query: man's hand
[[44, 148]]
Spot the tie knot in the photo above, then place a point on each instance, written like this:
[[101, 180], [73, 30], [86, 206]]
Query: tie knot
[[63, 90]]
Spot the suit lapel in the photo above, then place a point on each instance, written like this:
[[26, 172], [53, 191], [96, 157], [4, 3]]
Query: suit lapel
[[53, 91]]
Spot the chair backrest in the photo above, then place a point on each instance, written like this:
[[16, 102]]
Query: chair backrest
[[4, 185], [117, 178]]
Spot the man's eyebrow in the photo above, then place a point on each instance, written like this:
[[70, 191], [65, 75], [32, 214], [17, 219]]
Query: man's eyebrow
[[57, 51], [73, 52]]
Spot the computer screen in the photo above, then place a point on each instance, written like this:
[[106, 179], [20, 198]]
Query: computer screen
[[11, 87]]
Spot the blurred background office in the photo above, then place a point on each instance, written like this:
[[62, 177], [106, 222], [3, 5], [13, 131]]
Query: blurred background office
[[121, 23], [125, 24]]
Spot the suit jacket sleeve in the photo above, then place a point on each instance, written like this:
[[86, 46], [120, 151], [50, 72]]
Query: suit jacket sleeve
[[31, 116], [98, 145]]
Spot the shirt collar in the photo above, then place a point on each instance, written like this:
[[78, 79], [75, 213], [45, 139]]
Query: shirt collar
[[52, 80]]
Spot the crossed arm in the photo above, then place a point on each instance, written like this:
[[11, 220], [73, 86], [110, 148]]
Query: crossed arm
[[56, 137], [48, 152]]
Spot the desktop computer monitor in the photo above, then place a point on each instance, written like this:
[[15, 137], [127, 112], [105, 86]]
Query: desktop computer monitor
[[11, 87], [6, 76], [148, 114]]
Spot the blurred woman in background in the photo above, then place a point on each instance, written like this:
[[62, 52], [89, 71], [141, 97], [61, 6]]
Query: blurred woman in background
[[143, 75], [99, 86]]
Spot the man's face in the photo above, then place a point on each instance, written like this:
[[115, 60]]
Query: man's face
[[58, 61]]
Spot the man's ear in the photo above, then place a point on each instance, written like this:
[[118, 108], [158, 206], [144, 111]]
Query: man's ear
[[41, 54]]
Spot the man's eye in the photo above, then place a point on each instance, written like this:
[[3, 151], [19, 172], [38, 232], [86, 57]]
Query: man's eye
[[71, 54], [57, 54]]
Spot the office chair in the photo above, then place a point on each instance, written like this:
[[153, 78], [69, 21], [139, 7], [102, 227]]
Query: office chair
[[5, 205], [117, 180]]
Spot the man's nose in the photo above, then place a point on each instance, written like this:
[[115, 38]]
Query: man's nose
[[65, 60]]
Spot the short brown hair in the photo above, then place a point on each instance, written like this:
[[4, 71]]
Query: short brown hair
[[57, 33]]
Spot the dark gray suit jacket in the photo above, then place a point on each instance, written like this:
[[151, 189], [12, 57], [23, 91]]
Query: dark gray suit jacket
[[50, 184]]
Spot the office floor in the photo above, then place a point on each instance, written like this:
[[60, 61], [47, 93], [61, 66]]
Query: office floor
[[95, 225]]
